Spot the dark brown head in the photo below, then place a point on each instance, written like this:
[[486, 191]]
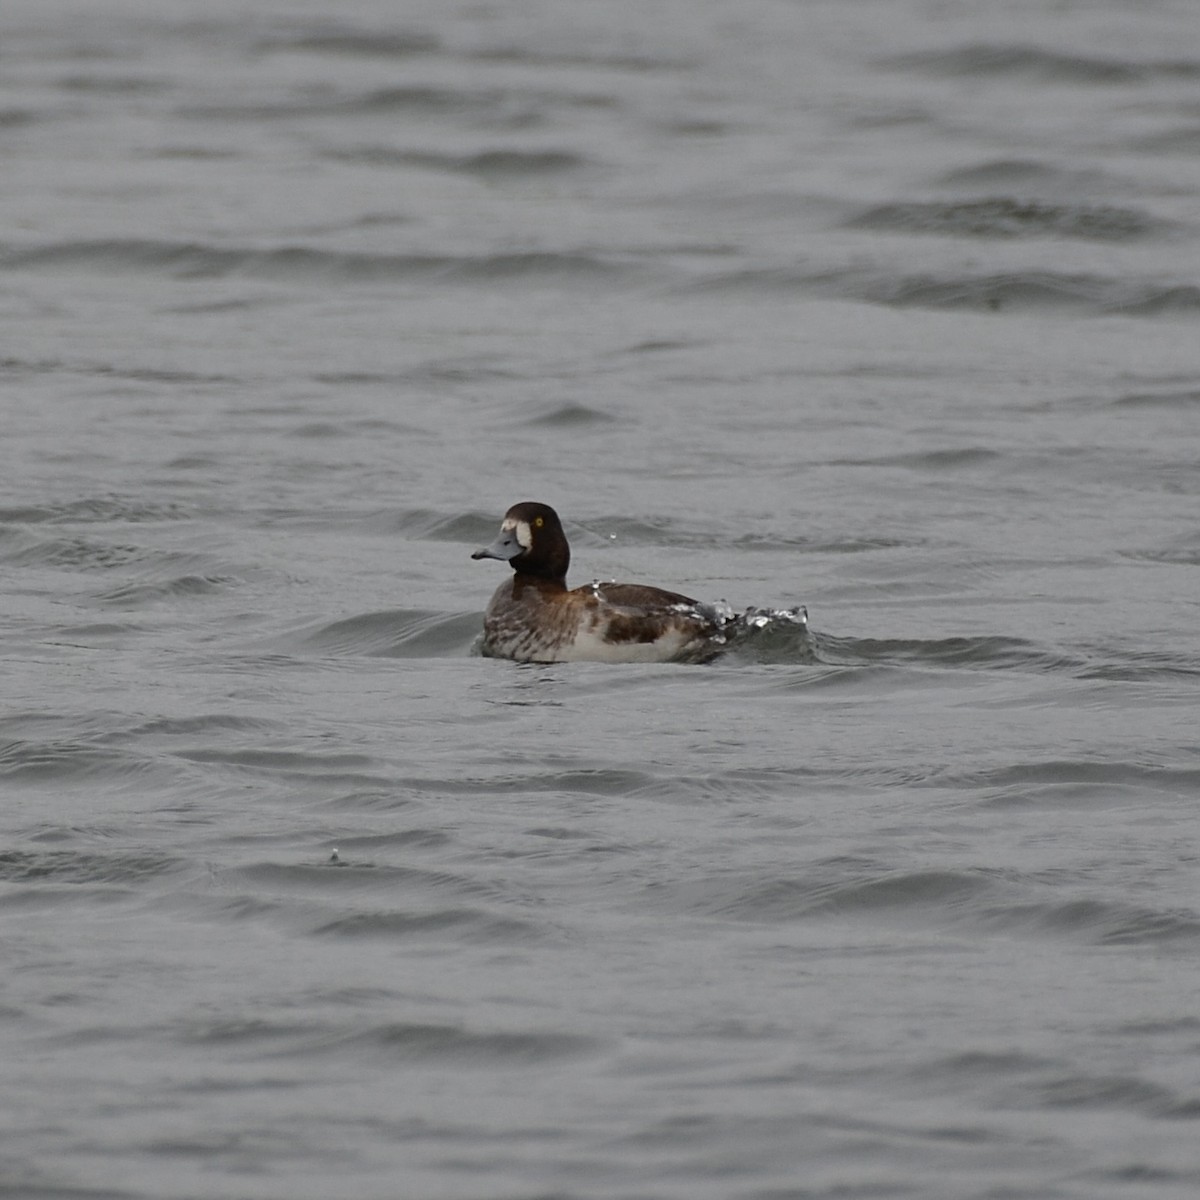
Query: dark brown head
[[532, 542]]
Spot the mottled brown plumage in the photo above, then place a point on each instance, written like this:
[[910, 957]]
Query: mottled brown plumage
[[533, 617]]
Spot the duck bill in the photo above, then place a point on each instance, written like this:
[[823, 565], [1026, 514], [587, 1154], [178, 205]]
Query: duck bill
[[505, 547]]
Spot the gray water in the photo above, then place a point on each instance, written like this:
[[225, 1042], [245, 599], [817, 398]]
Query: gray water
[[884, 308]]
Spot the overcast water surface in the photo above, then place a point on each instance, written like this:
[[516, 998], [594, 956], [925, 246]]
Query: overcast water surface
[[888, 309]]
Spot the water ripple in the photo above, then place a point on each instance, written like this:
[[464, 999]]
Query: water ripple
[[487, 164], [1004, 217], [394, 633], [300, 264], [71, 759], [460, 925], [85, 867], [1031, 290], [981, 900], [1041, 65], [347, 40], [448, 1045], [1028, 290], [95, 510]]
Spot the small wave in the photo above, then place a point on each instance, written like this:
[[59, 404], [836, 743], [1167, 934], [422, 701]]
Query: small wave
[[66, 634], [347, 42], [427, 524], [842, 545], [137, 574], [488, 164], [135, 595], [20, 367], [38, 896], [151, 574], [1182, 140], [423, 839], [599, 781], [202, 154], [319, 431], [606, 60], [449, 1045], [1017, 291], [658, 346], [604, 530], [159, 375], [311, 889], [568, 416], [1031, 176], [412, 98], [395, 633], [66, 866], [294, 763], [491, 106], [381, 796], [1188, 556], [1095, 921], [240, 1031], [202, 723], [987, 652], [456, 925], [974, 1064], [1113, 663], [472, 369], [978, 899], [937, 460], [1106, 1091], [1004, 217], [104, 370], [1034, 62], [1140, 1173], [65, 760], [1029, 1081], [1008, 291], [71, 553], [94, 510], [1184, 398], [1189, 1025], [193, 260], [1052, 779], [114, 85], [781, 900]]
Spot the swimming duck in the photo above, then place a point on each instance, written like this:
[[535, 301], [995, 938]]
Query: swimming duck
[[533, 617]]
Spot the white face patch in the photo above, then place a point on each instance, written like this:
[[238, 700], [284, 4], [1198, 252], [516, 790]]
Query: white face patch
[[523, 532]]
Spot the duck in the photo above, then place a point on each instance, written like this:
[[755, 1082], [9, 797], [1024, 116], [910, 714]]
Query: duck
[[534, 617]]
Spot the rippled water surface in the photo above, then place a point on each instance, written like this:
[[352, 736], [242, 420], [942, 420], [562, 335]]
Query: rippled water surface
[[885, 309]]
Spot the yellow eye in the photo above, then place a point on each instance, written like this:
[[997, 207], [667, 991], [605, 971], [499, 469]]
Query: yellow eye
[[538, 522]]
